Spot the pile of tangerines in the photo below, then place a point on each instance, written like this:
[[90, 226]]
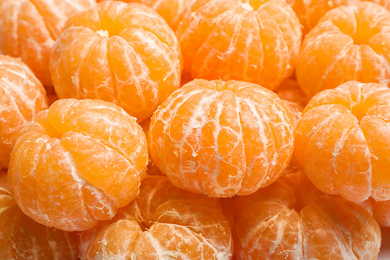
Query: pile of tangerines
[[194, 129]]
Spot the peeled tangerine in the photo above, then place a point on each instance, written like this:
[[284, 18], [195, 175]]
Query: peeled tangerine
[[122, 53], [30, 27], [171, 10], [77, 164], [221, 138], [163, 222], [256, 41], [23, 238], [291, 219], [21, 97], [343, 141], [349, 43]]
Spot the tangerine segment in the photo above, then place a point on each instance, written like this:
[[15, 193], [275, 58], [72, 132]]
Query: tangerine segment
[[342, 140], [381, 211], [310, 12], [346, 45], [162, 222], [121, 53], [255, 41], [30, 27], [21, 97], [171, 10], [293, 97], [221, 138], [269, 226], [79, 163], [23, 238]]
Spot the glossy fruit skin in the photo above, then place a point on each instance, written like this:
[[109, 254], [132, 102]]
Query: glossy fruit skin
[[344, 46], [122, 53], [221, 138], [21, 97], [257, 42], [342, 141], [77, 164], [29, 29]]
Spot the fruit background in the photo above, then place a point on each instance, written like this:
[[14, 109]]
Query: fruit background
[[194, 129]]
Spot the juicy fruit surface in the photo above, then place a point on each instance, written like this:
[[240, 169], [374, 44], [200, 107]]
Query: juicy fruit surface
[[30, 27], [117, 52], [78, 163], [343, 141], [291, 219], [221, 138], [21, 97], [23, 238], [256, 41], [346, 45], [171, 10], [162, 222]]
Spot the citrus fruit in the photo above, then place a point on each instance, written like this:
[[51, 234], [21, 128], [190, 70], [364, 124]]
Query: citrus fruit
[[221, 138], [163, 222], [293, 97], [77, 164], [30, 27], [170, 10], [23, 238], [290, 219], [310, 12], [256, 41], [21, 97], [381, 212], [117, 52], [343, 140], [349, 43]]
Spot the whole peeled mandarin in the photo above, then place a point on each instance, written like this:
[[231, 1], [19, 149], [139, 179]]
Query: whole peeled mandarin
[[78, 163], [221, 138]]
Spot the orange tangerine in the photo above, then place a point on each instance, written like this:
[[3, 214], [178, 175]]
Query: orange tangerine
[[30, 27], [78, 163], [293, 97], [21, 97], [343, 140], [256, 41], [349, 43], [381, 212], [221, 138], [117, 52], [163, 222], [285, 221], [171, 10], [23, 238], [310, 12]]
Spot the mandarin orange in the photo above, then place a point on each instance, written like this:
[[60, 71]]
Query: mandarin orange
[[291, 219], [21, 97], [349, 43], [381, 212], [78, 163], [256, 41], [293, 97], [343, 141], [310, 12], [163, 222], [221, 138], [28, 29], [171, 10], [121, 53], [23, 238]]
